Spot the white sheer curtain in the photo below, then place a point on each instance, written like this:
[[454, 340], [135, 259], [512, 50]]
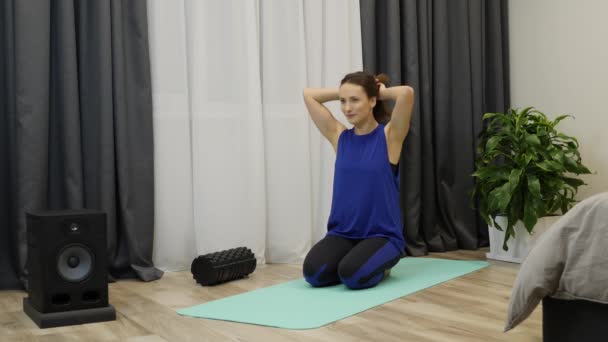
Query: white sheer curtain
[[237, 160]]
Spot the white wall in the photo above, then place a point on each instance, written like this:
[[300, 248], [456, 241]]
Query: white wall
[[559, 64]]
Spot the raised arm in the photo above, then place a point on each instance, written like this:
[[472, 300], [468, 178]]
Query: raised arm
[[329, 127], [399, 126]]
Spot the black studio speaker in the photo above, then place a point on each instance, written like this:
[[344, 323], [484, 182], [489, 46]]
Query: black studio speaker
[[67, 268]]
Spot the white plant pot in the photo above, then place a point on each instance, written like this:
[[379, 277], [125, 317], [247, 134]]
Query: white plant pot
[[519, 245]]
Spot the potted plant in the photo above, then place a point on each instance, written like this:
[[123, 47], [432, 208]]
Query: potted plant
[[525, 170]]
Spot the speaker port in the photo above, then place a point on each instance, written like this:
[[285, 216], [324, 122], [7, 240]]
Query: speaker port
[[91, 297], [61, 299]]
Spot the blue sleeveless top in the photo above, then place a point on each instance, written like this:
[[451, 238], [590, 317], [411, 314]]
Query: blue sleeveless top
[[365, 199]]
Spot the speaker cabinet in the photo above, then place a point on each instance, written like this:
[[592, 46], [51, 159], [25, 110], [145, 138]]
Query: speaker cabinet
[[67, 266]]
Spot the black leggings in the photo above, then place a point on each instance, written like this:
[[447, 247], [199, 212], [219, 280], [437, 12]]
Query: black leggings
[[357, 263]]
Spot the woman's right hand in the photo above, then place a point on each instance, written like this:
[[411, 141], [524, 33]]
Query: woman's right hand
[[381, 90], [381, 82]]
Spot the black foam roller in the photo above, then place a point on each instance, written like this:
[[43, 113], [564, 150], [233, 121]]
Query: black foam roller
[[220, 267]]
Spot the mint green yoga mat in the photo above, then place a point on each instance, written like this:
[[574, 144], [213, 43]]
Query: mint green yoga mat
[[297, 305]]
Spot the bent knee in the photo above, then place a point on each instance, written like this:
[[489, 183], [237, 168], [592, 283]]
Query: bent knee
[[309, 269], [355, 277], [320, 276], [356, 283], [312, 277]]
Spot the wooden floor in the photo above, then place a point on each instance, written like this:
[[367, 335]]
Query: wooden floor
[[469, 308]]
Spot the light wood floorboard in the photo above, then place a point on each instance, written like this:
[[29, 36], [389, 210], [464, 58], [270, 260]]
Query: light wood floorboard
[[469, 308]]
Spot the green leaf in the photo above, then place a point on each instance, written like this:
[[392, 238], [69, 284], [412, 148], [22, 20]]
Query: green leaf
[[534, 186], [530, 218], [509, 232], [541, 131], [532, 139], [554, 182], [572, 145], [491, 173], [514, 178], [523, 160], [571, 165], [497, 226], [550, 165], [574, 182], [483, 211], [499, 198], [545, 166], [492, 143], [516, 210], [567, 138], [564, 207], [555, 165], [533, 207], [527, 159], [583, 169], [489, 115], [560, 118], [558, 156]]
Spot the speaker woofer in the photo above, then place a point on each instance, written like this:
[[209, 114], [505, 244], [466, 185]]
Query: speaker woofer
[[75, 263]]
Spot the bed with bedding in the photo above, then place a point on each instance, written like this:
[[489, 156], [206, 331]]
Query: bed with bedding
[[567, 269]]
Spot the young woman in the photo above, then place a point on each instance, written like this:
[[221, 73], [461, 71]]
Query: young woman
[[364, 238]]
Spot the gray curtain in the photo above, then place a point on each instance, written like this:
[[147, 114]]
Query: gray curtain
[[455, 56], [76, 125]]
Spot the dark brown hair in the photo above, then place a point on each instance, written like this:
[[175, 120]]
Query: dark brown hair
[[368, 82]]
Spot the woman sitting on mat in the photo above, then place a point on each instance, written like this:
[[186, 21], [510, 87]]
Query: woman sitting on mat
[[364, 238]]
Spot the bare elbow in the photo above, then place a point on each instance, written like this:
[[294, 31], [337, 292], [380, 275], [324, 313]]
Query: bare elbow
[[408, 91], [306, 93]]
